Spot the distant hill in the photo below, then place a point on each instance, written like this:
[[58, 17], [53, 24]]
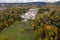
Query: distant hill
[[7, 5], [39, 4], [57, 3]]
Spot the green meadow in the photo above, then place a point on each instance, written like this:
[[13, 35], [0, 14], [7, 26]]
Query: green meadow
[[14, 32]]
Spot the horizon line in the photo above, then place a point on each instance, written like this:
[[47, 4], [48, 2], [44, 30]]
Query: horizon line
[[28, 2]]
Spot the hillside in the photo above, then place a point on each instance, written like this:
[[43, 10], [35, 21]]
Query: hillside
[[45, 26]]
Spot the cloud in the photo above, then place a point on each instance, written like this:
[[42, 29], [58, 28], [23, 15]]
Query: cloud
[[19, 1]]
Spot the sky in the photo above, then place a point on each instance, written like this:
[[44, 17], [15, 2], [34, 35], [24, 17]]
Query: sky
[[24, 1]]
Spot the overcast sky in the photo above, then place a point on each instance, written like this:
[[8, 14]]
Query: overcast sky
[[20, 1]]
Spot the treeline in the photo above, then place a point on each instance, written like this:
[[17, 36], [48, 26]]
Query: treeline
[[47, 24], [9, 16]]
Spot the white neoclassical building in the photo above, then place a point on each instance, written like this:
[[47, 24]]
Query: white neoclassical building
[[30, 14]]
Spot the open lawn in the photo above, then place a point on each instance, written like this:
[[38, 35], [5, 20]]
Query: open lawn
[[18, 31]]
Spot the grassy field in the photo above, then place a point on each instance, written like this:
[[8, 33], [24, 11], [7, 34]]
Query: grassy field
[[14, 32]]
